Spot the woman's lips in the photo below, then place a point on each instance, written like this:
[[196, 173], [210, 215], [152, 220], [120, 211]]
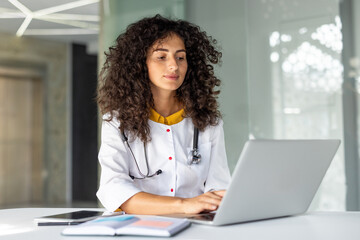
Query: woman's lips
[[172, 77]]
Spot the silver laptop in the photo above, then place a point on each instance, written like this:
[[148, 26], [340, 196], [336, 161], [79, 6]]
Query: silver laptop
[[272, 178]]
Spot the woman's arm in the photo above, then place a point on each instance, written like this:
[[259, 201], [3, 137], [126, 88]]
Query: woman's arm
[[116, 186], [146, 203]]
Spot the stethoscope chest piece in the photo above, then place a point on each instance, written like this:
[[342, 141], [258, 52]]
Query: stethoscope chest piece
[[195, 157]]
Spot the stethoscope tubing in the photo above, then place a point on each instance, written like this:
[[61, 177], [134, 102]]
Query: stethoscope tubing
[[196, 156]]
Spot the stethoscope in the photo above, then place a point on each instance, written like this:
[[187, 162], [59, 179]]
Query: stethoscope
[[194, 158]]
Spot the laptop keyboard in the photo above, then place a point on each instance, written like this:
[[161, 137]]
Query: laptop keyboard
[[203, 216]]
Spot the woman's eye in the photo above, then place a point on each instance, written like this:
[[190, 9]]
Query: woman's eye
[[161, 57], [180, 58]]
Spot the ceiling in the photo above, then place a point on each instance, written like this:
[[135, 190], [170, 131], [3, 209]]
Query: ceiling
[[61, 20]]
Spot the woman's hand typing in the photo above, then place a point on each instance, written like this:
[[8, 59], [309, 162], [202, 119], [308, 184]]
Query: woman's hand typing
[[146, 203], [206, 202]]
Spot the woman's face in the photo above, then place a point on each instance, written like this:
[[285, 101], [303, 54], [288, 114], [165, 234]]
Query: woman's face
[[167, 64]]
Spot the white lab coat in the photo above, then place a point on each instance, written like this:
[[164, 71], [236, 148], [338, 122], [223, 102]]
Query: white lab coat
[[169, 151]]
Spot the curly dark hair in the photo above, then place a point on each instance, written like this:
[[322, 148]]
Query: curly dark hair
[[124, 85]]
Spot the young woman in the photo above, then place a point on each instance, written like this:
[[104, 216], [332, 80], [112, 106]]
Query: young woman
[[162, 143]]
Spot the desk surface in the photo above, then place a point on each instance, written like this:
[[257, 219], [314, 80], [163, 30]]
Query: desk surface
[[18, 224]]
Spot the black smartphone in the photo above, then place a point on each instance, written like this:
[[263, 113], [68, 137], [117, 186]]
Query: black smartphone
[[70, 218]]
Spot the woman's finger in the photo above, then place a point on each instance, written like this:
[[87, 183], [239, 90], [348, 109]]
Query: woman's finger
[[220, 193]]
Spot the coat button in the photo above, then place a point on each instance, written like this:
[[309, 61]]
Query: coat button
[[168, 130], [170, 158], [172, 190]]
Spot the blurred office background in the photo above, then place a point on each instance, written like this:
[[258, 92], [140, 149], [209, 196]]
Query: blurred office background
[[290, 70]]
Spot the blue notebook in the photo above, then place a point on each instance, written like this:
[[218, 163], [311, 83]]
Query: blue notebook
[[130, 225]]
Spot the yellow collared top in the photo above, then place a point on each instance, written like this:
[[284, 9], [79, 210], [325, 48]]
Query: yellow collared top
[[169, 120]]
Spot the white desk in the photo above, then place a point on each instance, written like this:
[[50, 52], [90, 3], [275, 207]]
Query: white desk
[[18, 224]]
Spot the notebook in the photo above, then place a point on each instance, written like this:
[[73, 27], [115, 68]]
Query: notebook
[[272, 178], [154, 226]]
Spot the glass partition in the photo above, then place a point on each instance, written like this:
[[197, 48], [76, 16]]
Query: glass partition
[[295, 80]]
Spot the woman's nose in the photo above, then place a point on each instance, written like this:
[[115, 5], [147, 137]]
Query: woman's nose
[[173, 64]]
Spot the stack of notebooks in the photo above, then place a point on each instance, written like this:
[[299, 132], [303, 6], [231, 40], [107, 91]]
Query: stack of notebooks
[[129, 225]]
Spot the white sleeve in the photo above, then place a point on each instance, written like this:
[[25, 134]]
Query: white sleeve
[[219, 174], [116, 186]]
